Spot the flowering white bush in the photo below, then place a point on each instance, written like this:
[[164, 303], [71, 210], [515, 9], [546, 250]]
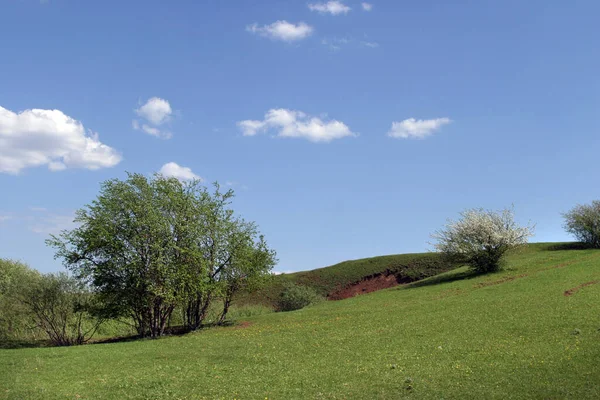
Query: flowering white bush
[[481, 237], [583, 222]]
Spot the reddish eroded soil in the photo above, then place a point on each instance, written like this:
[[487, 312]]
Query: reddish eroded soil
[[367, 285], [574, 290], [243, 324]]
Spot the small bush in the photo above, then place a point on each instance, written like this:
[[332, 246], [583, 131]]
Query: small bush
[[583, 222], [16, 321], [481, 238], [295, 297], [61, 307]]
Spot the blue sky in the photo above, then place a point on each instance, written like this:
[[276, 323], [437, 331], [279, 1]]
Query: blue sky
[[345, 132]]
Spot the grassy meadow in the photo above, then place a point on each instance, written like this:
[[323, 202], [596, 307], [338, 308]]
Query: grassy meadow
[[530, 331]]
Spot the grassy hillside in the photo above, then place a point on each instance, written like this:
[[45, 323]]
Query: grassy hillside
[[408, 267], [528, 332]]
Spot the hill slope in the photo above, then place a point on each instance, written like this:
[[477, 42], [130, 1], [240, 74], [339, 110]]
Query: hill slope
[[333, 281], [528, 332]]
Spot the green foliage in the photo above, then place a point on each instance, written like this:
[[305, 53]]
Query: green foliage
[[442, 335], [236, 256], [583, 222], [135, 246], [16, 320], [295, 297], [52, 306], [61, 307], [149, 245]]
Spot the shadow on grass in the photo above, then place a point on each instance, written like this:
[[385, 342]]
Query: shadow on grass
[[23, 344], [169, 331], [570, 246], [445, 278]]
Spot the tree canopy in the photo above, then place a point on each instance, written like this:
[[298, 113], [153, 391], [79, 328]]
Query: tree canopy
[[146, 245]]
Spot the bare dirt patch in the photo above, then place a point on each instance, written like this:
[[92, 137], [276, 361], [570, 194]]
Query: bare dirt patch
[[499, 281], [574, 290], [562, 265], [367, 285], [243, 324]]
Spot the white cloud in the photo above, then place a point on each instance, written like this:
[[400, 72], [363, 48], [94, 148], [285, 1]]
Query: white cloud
[[367, 6], [156, 111], [416, 129], [333, 7], [282, 30], [5, 218], [38, 137], [296, 124], [176, 171]]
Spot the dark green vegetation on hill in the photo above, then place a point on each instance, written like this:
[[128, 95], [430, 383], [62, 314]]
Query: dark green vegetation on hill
[[328, 280], [527, 332]]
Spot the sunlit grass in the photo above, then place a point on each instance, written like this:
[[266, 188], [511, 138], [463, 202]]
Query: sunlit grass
[[513, 334]]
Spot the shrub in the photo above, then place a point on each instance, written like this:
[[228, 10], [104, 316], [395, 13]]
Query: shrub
[[295, 297], [481, 238], [60, 306], [583, 222], [34, 305], [16, 320]]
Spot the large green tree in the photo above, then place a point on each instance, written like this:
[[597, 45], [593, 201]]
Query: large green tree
[[136, 246], [147, 245]]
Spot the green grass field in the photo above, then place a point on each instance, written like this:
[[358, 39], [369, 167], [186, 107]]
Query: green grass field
[[509, 335]]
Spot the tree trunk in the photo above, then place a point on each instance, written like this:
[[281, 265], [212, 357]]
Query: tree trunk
[[204, 310], [226, 304]]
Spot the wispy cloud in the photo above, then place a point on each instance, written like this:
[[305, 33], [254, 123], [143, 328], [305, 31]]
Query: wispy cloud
[[333, 7], [416, 129], [51, 223], [282, 30], [339, 43], [367, 6], [335, 44], [370, 44]]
